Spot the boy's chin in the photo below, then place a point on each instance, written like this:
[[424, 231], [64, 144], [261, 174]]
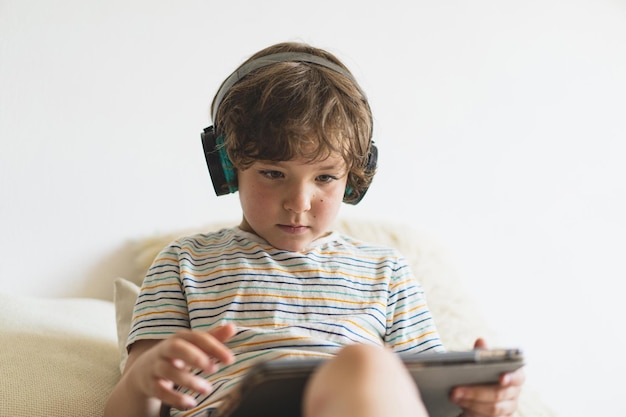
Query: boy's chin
[[291, 239]]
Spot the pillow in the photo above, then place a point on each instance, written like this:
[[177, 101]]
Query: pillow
[[58, 356], [124, 296]]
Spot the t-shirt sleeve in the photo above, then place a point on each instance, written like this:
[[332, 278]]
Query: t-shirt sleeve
[[161, 307], [410, 325]]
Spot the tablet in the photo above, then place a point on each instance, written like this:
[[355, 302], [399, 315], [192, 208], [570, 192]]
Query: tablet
[[274, 389]]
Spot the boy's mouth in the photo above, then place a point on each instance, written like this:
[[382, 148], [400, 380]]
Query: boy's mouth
[[291, 228]]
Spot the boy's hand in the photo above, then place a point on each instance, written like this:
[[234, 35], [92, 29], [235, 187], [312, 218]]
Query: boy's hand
[[170, 363], [497, 400]]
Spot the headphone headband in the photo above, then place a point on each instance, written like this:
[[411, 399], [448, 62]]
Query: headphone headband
[[264, 61]]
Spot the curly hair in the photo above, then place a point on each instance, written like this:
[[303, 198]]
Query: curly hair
[[297, 109]]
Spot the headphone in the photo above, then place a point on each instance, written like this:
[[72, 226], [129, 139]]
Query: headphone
[[221, 169]]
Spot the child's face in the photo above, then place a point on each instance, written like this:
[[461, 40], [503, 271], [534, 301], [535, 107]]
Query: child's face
[[291, 203]]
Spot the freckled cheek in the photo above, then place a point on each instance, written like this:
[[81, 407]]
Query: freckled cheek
[[329, 204]]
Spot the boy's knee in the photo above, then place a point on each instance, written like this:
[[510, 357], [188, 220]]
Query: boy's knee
[[362, 360], [362, 380]]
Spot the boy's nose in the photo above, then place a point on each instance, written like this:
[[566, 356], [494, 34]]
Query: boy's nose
[[298, 198]]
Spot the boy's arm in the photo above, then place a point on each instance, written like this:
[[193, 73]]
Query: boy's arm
[[126, 399], [156, 367]]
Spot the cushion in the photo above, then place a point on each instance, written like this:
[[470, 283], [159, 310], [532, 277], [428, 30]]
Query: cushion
[[124, 296], [58, 356]]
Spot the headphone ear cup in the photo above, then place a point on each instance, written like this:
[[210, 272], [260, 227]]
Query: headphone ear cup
[[372, 160], [370, 169], [221, 169]]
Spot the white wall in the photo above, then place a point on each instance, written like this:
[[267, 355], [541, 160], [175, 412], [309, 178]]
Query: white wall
[[501, 127]]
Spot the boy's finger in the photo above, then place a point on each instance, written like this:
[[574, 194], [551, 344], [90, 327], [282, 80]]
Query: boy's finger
[[485, 393], [170, 376], [513, 378], [223, 333], [170, 396], [488, 409], [181, 352], [211, 346], [187, 350], [480, 343]]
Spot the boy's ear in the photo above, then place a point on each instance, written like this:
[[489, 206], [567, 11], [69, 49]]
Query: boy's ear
[[223, 173]]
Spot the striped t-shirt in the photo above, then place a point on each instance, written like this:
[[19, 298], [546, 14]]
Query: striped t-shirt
[[305, 304]]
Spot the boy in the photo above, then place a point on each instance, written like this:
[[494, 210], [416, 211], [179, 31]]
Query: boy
[[292, 133]]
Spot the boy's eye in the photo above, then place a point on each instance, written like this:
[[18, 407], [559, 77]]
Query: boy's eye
[[326, 178], [271, 174]]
